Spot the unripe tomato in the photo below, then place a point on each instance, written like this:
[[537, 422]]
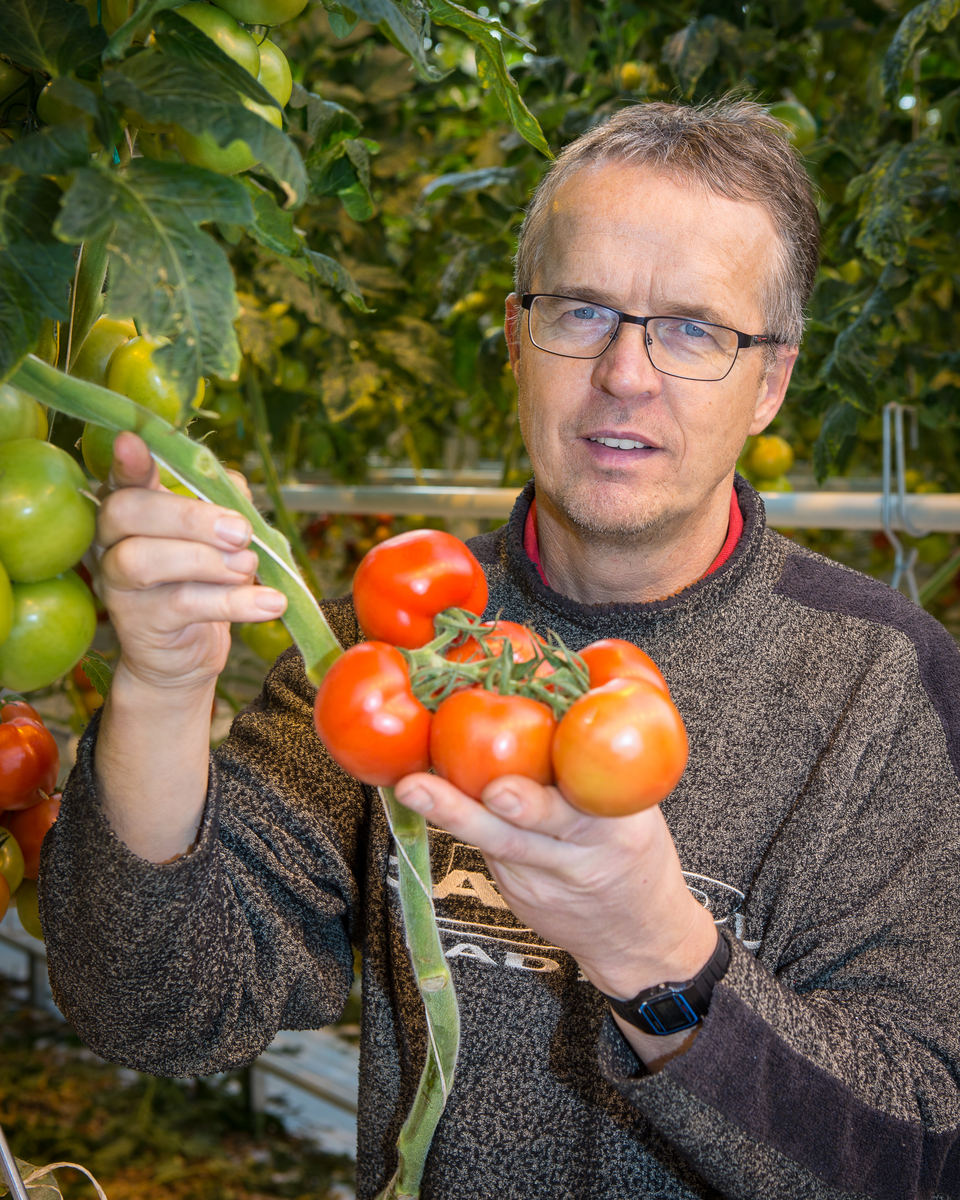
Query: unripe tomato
[[221, 28], [20, 415], [11, 79], [11, 859], [619, 749], [53, 625], [770, 457], [28, 908], [292, 376], [45, 523], [631, 76], [6, 605], [404, 582], [616, 659], [236, 156], [29, 763], [801, 126], [369, 719], [274, 72], [263, 12], [477, 736], [267, 639], [4, 897], [105, 336], [30, 827], [524, 642], [52, 110]]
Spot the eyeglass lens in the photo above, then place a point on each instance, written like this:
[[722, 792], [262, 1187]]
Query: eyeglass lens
[[677, 345]]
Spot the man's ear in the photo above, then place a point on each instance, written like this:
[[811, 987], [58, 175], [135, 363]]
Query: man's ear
[[511, 329], [773, 388]]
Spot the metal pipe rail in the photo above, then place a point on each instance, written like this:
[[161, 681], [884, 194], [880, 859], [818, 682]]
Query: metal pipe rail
[[785, 510]]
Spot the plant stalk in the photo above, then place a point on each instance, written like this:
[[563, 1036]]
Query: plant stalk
[[261, 433], [436, 991]]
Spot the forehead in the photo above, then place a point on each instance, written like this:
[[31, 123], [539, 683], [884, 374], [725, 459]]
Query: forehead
[[658, 244]]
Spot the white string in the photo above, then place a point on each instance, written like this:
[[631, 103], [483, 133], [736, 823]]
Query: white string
[[41, 1171]]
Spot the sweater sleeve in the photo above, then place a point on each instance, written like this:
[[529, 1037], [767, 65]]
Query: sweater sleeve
[[191, 967], [827, 1065]]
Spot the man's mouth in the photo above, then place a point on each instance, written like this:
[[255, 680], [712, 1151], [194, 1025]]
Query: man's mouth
[[621, 443]]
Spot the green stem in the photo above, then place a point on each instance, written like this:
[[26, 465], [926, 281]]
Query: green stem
[[261, 433], [198, 467], [88, 303], [940, 578], [436, 990]]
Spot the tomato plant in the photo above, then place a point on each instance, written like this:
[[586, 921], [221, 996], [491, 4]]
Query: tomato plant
[[479, 735], [53, 624], [93, 357], [45, 522], [226, 32], [11, 859], [28, 908], [29, 763], [368, 718], [29, 827], [275, 73], [20, 415], [613, 658], [403, 583], [619, 749], [264, 12]]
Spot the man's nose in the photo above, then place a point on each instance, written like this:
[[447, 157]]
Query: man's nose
[[624, 369]]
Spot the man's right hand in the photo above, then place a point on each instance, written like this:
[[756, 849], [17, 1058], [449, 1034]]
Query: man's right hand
[[173, 573]]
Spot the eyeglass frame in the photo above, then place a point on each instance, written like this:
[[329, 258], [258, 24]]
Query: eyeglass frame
[[744, 340]]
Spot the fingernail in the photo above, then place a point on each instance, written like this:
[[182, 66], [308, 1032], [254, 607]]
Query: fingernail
[[419, 799], [232, 530], [269, 601], [504, 802], [242, 561]]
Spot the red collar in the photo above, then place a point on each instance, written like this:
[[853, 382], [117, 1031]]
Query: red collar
[[734, 529]]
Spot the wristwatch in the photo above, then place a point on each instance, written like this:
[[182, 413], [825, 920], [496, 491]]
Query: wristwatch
[[672, 1007]]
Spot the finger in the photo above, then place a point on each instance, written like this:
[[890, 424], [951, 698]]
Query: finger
[[170, 608], [139, 512], [525, 803], [132, 465], [140, 563]]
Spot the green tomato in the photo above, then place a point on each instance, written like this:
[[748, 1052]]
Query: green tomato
[[263, 12], [230, 406], [53, 625], [274, 72], [267, 639], [235, 42], [45, 523], [11, 860], [53, 111], [28, 908], [20, 415], [105, 336], [801, 126], [203, 151], [6, 606], [292, 376], [11, 79]]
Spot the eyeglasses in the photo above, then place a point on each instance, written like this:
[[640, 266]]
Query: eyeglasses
[[683, 347]]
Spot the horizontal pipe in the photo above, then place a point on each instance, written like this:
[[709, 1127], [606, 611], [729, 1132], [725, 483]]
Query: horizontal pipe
[[308, 1081], [785, 510]]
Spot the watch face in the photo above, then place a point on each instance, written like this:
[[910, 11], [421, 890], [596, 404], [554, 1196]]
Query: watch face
[[670, 1013]]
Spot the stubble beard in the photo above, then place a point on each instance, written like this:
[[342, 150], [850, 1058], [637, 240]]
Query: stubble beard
[[616, 521]]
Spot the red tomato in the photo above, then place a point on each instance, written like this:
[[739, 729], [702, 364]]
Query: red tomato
[[404, 582], [20, 708], [495, 633], [615, 659], [30, 827], [4, 897], [619, 749], [478, 735], [369, 719], [29, 762]]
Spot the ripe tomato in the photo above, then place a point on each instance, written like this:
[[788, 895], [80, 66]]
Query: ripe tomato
[[221, 28], [28, 909], [405, 581], [20, 708], [263, 12], [274, 72], [267, 639], [105, 336], [619, 749], [29, 762], [202, 150], [478, 736], [616, 659], [53, 624], [369, 719], [20, 415], [30, 827], [45, 524], [11, 859], [495, 633]]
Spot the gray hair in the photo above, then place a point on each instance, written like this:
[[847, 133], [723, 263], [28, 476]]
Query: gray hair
[[733, 148]]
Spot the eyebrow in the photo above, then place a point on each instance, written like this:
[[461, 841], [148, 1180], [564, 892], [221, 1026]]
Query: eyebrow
[[700, 312]]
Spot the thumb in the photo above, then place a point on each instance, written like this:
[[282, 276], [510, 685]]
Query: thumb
[[132, 465]]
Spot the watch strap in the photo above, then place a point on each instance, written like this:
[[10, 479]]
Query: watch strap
[[672, 1007]]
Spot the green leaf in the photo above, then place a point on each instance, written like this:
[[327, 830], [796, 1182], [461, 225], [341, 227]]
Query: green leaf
[[50, 35], [55, 150], [98, 671], [932, 14], [336, 172], [837, 437], [852, 367], [343, 21], [469, 181], [492, 67], [335, 275], [36, 269], [181, 39], [123, 37], [174, 279], [396, 25], [896, 179], [327, 123], [358, 154], [164, 89], [692, 49], [271, 226]]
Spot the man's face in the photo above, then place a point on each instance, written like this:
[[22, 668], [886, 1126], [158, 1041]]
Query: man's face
[[634, 240]]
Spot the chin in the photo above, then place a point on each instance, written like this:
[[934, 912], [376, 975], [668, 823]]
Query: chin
[[612, 515]]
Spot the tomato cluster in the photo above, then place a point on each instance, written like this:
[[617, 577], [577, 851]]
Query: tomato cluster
[[47, 613], [29, 805], [483, 699]]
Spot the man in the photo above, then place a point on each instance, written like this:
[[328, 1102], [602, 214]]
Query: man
[[795, 892]]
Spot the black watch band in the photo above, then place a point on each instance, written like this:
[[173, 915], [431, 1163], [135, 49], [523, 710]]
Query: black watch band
[[673, 1007]]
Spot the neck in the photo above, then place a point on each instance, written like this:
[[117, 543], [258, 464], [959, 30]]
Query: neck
[[590, 570]]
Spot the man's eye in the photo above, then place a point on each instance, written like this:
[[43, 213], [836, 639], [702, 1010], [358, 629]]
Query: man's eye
[[688, 329], [585, 314]]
